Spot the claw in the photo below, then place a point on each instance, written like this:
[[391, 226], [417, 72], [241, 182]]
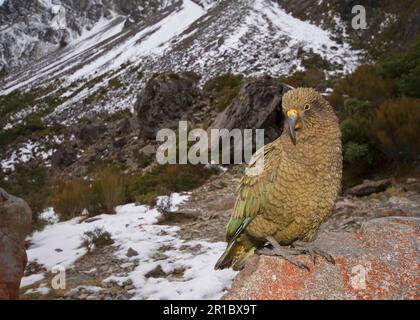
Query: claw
[[313, 251], [283, 252]]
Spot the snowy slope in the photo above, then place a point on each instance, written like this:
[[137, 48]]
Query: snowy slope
[[135, 227], [243, 36]]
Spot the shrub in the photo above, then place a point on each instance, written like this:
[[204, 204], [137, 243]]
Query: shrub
[[115, 83], [367, 85], [71, 198], [162, 180], [102, 195], [224, 89], [30, 182], [96, 238], [110, 189], [313, 60], [357, 137], [148, 199], [404, 68], [24, 129], [397, 128], [354, 152], [356, 120], [164, 205], [314, 78]]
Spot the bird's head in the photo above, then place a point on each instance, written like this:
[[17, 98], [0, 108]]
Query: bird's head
[[304, 109]]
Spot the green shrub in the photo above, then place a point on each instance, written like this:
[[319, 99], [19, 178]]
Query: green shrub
[[30, 182], [22, 130], [166, 179], [354, 152], [313, 60], [224, 89], [356, 131], [148, 199], [396, 128], [404, 68], [115, 83]]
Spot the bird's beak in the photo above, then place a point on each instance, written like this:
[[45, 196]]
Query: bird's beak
[[292, 119]]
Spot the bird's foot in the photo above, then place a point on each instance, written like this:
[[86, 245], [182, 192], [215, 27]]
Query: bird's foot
[[286, 253], [312, 250]]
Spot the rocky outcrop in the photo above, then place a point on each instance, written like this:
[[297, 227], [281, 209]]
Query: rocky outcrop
[[15, 224], [87, 133], [368, 187], [377, 262], [166, 99], [257, 106], [64, 156]]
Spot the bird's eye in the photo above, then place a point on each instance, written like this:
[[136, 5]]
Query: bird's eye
[[307, 107]]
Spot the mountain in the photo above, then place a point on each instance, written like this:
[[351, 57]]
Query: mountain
[[64, 46]]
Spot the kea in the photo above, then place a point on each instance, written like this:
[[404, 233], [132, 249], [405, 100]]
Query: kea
[[285, 205]]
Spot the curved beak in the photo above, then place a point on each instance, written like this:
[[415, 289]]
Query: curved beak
[[292, 118]]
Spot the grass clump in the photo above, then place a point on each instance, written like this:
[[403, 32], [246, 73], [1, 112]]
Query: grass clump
[[96, 238], [224, 89], [98, 196]]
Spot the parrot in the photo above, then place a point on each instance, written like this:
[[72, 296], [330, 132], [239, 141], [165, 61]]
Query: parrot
[[285, 204]]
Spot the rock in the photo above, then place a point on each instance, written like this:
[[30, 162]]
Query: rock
[[131, 253], [378, 262], [156, 273], [15, 224], [368, 187], [257, 106], [88, 133], [164, 101], [64, 156], [148, 151]]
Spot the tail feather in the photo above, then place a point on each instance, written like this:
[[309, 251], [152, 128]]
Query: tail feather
[[234, 256]]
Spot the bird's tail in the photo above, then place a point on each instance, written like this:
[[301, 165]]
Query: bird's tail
[[234, 256]]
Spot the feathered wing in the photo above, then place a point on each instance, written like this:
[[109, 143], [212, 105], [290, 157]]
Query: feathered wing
[[252, 197]]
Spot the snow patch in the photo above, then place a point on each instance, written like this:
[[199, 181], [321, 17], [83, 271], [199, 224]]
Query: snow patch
[[134, 226]]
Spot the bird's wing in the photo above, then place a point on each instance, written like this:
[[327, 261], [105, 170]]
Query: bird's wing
[[253, 190]]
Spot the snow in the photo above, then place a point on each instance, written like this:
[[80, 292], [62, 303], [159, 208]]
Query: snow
[[150, 40], [30, 280], [30, 150], [134, 226], [250, 37], [49, 216], [59, 20]]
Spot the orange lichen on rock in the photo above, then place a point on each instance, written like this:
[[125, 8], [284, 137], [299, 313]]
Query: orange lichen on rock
[[378, 262]]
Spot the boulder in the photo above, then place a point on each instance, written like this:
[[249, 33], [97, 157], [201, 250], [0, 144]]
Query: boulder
[[15, 224], [65, 155], [257, 106], [377, 262], [165, 100], [368, 187], [89, 132]]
